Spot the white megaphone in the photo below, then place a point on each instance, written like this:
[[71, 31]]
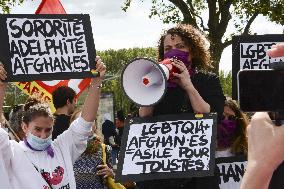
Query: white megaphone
[[145, 82]]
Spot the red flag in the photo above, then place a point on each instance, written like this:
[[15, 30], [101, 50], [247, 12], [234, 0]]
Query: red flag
[[50, 7], [55, 7]]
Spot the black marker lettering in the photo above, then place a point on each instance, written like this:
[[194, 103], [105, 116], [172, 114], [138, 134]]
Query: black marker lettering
[[18, 34]]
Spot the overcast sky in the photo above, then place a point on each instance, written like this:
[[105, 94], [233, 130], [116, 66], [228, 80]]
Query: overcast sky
[[116, 29]]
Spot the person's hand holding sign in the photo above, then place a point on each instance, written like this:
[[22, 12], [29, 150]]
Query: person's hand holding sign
[[94, 92], [101, 67], [100, 71], [105, 171], [3, 73], [276, 50]]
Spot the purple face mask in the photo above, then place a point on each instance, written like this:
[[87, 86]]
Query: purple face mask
[[178, 54], [182, 56], [225, 133]]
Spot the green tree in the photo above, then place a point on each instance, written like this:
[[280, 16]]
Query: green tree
[[226, 82], [6, 5], [115, 61], [13, 96], [241, 13]]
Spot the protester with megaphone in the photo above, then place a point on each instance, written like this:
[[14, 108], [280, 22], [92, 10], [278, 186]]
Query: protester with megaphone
[[193, 89]]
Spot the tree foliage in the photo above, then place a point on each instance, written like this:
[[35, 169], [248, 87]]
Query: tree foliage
[[13, 96], [6, 5], [219, 13], [115, 61], [226, 82]]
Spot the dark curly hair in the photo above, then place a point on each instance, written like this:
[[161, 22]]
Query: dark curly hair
[[61, 95], [194, 39], [35, 107]]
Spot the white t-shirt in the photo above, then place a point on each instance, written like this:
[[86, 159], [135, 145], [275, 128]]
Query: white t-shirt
[[26, 168]]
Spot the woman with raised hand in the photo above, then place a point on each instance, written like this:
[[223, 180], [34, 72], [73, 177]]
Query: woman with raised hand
[[37, 161]]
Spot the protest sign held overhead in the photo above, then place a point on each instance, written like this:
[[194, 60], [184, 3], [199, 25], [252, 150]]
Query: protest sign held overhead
[[253, 55], [47, 47], [249, 52], [172, 146], [45, 88]]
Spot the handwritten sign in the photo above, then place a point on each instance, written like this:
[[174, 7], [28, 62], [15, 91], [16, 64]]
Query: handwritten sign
[[249, 52], [39, 47], [172, 146], [253, 55], [230, 171]]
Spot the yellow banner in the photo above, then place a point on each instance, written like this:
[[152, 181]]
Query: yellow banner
[[30, 88]]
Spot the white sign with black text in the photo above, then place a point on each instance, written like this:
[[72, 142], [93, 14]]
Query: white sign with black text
[[231, 172], [169, 146], [47, 47], [253, 55]]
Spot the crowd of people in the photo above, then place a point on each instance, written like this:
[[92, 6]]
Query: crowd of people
[[64, 149]]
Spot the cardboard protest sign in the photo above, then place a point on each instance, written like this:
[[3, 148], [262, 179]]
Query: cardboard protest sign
[[230, 171], [45, 88], [249, 52], [171, 146], [46, 47]]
